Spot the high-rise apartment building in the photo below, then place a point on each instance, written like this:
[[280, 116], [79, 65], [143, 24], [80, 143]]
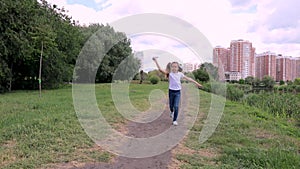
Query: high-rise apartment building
[[241, 58], [283, 68], [237, 60], [295, 68], [240, 61], [221, 58], [298, 67], [265, 65]]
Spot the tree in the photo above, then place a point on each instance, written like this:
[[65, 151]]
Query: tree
[[249, 80], [201, 75], [107, 51], [211, 70], [27, 27], [157, 73], [4, 75], [256, 82], [241, 81], [268, 82], [281, 82], [297, 81]]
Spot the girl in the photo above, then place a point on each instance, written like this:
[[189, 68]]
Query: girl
[[174, 77]]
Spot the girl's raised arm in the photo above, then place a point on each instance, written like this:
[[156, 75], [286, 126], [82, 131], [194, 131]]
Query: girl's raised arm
[[159, 68]]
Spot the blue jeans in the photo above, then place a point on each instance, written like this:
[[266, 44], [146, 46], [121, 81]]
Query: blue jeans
[[174, 99]]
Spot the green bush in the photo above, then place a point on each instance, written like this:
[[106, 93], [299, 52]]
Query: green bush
[[154, 79], [297, 81], [233, 93]]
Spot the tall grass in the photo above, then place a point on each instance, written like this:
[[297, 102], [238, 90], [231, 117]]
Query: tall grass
[[283, 105]]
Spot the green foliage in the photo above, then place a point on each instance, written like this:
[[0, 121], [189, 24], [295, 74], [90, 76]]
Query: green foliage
[[154, 79], [28, 25], [4, 76], [249, 80], [234, 93], [211, 70], [288, 82], [241, 81], [281, 82], [157, 73], [127, 69], [201, 75], [287, 89], [257, 82], [284, 104], [25, 26], [205, 72], [297, 81], [268, 82], [206, 87]]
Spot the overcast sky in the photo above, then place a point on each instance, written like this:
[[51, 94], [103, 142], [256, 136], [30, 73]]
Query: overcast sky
[[271, 25]]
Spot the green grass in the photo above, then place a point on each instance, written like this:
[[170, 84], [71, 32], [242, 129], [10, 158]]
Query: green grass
[[246, 137], [37, 132]]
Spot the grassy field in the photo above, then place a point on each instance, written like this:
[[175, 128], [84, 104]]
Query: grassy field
[[246, 137], [38, 132]]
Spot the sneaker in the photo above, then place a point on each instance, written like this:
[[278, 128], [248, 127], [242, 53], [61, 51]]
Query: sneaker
[[175, 123], [171, 114]]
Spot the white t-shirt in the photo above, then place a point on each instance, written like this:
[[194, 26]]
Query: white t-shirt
[[174, 80]]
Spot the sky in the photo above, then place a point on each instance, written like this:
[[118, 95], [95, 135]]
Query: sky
[[271, 25]]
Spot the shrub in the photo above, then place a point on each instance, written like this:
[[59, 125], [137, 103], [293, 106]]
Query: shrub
[[218, 88], [281, 82], [206, 87], [297, 88], [154, 79], [233, 93], [297, 81]]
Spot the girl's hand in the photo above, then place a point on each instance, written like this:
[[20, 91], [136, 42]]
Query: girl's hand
[[154, 58], [199, 86]]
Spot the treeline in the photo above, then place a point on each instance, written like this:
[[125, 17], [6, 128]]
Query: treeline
[[30, 29]]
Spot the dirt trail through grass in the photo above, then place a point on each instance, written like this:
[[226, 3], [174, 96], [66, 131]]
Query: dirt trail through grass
[[140, 130]]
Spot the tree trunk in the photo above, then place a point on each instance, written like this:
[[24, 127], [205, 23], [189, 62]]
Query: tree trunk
[[40, 71]]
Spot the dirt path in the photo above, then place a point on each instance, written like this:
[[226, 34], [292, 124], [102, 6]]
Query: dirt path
[[139, 130]]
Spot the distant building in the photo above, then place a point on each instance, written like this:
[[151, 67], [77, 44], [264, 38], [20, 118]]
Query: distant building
[[221, 58], [196, 66], [295, 63], [242, 58], [188, 67], [239, 58], [229, 76], [265, 65], [283, 68], [298, 67], [240, 61]]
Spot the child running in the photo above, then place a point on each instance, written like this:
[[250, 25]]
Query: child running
[[174, 75]]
